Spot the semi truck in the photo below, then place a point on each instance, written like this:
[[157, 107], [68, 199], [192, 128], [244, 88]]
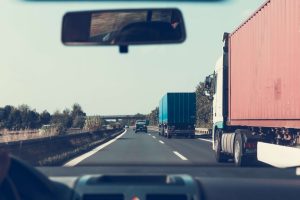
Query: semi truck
[[177, 115], [256, 88]]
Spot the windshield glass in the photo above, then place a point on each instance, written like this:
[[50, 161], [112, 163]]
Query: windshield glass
[[51, 90]]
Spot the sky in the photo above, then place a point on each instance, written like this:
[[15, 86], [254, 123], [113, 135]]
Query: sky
[[38, 70]]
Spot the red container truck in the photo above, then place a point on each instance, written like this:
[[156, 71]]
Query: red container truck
[[256, 84]]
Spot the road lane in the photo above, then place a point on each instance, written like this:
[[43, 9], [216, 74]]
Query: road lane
[[195, 150], [80, 158], [141, 148], [134, 148]]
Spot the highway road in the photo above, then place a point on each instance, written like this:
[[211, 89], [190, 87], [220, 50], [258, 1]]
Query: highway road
[[149, 148]]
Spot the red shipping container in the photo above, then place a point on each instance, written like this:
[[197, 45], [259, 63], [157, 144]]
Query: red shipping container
[[264, 67]]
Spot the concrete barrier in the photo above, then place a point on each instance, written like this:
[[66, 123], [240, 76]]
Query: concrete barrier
[[56, 150]]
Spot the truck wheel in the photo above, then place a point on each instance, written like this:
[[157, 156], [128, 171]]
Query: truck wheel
[[220, 157], [238, 157]]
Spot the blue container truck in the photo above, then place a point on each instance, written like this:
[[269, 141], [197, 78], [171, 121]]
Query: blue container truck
[[177, 115]]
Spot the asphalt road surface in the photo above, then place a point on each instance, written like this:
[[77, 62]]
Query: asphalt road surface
[[149, 148]]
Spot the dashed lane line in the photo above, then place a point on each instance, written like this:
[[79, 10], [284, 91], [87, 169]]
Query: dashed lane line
[[179, 155], [206, 140]]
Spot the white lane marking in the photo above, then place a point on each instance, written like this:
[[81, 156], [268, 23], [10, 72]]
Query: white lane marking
[[149, 134], [179, 155], [161, 141], [206, 140], [78, 159], [154, 137]]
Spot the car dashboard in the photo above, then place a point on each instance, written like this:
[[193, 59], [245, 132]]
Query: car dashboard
[[223, 184], [121, 187]]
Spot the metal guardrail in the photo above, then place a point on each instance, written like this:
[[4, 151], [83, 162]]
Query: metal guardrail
[[153, 128], [198, 131], [203, 131], [15, 136], [56, 137]]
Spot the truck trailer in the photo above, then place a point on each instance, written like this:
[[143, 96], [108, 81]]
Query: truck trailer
[[177, 115], [256, 86]]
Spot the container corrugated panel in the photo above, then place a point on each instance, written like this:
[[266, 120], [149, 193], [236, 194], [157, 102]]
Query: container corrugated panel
[[178, 108], [160, 118], [264, 67]]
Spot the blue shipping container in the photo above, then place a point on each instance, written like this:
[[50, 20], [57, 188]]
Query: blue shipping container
[[177, 108]]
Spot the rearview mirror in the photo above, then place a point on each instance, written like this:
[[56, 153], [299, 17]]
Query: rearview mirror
[[123, 27]]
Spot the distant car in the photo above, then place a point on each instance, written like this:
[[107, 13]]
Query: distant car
[[141, 126], [126, 126]]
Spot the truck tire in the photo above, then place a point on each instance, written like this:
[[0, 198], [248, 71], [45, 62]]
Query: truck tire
[[220, 157], [239, 159]]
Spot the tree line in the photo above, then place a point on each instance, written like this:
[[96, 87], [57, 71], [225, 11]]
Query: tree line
[[153, 117], [203, 107], [23, 117]]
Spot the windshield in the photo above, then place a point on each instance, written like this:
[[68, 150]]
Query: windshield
[[84, 95]]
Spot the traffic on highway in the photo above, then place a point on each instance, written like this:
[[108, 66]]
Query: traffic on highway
[[144, 148], [149, 100]]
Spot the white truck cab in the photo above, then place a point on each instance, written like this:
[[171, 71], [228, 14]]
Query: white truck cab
[[218, 120]]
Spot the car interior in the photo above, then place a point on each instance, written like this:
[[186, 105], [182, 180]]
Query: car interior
[[138, 25]]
